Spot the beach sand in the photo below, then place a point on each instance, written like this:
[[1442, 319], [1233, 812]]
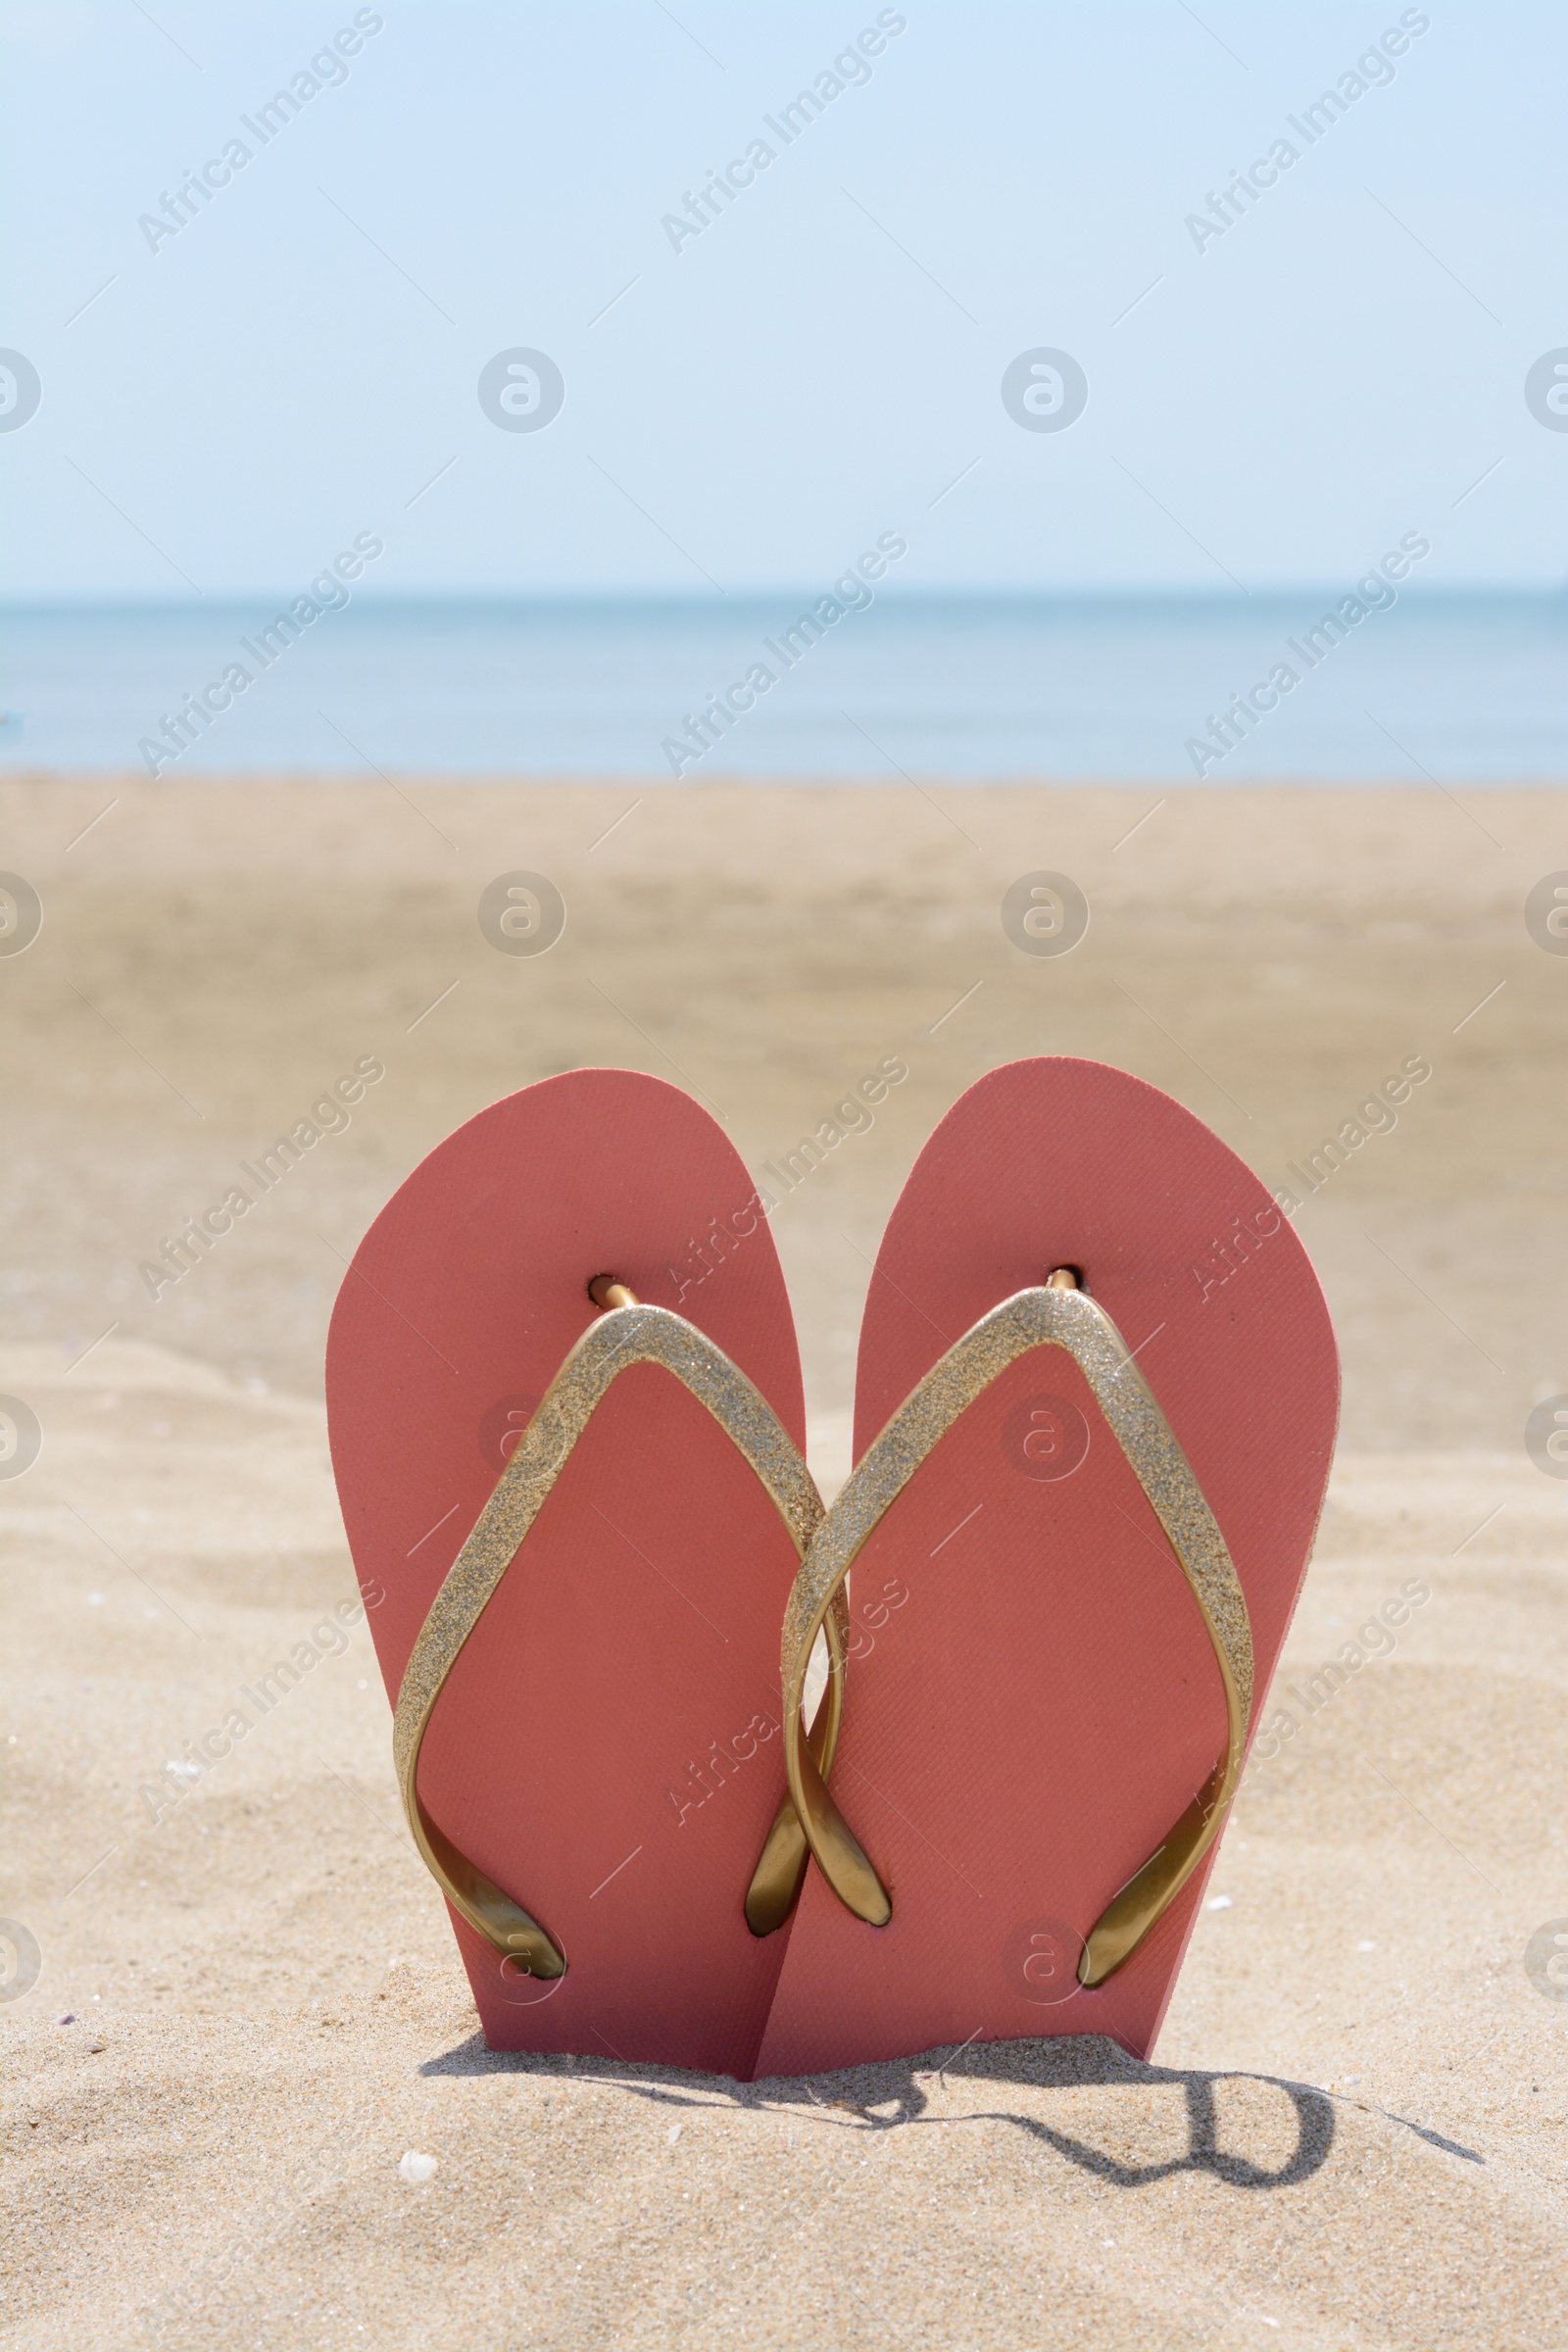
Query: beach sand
[[1353, 2133]]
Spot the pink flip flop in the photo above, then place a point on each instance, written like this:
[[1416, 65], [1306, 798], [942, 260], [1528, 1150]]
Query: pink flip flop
[[1106, 1388], [585, 1513]]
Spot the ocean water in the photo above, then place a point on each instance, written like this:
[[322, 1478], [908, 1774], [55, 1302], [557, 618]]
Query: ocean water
[[1456, 687]]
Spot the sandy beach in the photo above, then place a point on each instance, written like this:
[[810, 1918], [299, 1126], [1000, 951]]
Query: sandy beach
[[1355, 2129]]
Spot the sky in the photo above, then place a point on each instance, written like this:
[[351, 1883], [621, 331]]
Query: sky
[[750, 401]]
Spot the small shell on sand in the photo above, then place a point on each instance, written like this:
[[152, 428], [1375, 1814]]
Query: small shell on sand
[[415, 2166]]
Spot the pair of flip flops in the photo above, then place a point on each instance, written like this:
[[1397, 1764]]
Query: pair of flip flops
[[1094, 1408]]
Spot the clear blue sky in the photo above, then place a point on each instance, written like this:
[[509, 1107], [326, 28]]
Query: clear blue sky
[[815, 368]]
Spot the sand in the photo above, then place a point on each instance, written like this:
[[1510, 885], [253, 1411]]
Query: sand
[[1353, 2129]]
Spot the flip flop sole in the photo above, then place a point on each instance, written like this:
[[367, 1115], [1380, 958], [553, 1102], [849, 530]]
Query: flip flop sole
[[1028, 1719], [605, 1745]]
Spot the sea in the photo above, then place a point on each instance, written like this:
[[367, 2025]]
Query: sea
[[1441, 686]]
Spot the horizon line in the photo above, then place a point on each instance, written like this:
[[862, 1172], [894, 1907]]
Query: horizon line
[[686, 600]]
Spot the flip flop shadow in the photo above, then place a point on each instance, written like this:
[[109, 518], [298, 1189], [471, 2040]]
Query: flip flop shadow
[[898, 2093]]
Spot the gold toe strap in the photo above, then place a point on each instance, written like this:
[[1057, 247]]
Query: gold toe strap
[[1051, 1316], [776, 1879], [630, 1333]]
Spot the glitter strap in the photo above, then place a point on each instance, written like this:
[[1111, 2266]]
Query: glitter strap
[[628, 1335], [1047, 1317]]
